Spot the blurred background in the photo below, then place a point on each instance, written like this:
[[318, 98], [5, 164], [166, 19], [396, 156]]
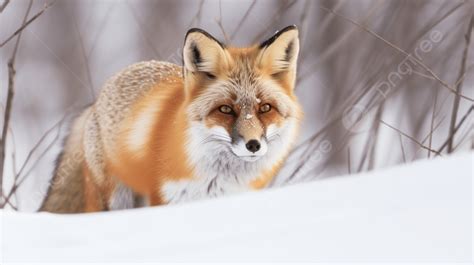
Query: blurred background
[[381, 82]]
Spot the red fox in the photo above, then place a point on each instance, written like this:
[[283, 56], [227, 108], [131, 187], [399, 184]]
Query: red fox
[[160, 133]]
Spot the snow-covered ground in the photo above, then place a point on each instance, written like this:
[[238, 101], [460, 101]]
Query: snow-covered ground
[[421, 212]]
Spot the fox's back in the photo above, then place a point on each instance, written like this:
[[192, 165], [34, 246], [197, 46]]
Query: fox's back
[[125, 89]]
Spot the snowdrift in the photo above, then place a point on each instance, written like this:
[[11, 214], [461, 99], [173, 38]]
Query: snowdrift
[[416, 212]]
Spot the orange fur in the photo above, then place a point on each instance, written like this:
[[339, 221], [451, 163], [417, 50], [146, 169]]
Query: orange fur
[[264, 180], [164, 156], [93, 200]]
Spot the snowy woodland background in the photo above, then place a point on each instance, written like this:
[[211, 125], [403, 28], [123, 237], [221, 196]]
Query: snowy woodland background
[[381, 82]]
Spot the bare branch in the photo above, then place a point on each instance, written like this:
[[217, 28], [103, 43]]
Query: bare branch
[[378, 116], [198, 15], [9, 203], [243, 19], [403, 149], [24, 25], [409, 137], [469, 133], [84, 56], [38, 144], [456, 129], [431, 132], [9, 103], [304, 22], [274, 17], [373, 33], [455, 109], [142, 27], [4, 5], [432, 121], [19, 177], [221, 26], [349, 160]]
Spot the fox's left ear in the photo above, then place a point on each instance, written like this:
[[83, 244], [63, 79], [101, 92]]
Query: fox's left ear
[[280, 52], [203, 54]]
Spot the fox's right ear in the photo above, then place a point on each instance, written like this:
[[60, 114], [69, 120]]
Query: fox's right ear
[[202, 53], [280, 52]]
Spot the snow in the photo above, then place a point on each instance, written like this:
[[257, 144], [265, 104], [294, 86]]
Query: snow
[[420, 212]]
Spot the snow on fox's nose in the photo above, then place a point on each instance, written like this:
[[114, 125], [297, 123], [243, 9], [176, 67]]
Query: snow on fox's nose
[[249, 127]]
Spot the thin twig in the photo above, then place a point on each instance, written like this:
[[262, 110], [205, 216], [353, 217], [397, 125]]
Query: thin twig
[[365, 152], [100, 28], [432, 121], [370, 138], [221, 26], [349, 160], [455, 109], [274, 17], [373, 33], [9, 103], [24, 25], [410, 137], [403, 149], [13, 157], [463, 137], [426, 138], [20, 178], [468, 69], [243, 19], [4, 5], [198, 15], [84, 56], [142, 27], [9, 203], [456, 129], [304, 23], [331, 50], [38, 144], [378, 116]]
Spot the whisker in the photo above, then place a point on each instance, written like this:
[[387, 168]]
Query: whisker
[[222, 137], [205, 140], [274, 137]]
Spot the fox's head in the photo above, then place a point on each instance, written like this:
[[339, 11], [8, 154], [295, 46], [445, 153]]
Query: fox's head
[[241, 101]]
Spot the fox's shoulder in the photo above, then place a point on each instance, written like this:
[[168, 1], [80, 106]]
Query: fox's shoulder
[[139, 77], [147, 71], [127, 87]]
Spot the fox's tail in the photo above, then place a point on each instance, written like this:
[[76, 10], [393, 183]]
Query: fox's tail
[[66, 192]]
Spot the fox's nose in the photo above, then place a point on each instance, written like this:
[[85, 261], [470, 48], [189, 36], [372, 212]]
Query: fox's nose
[[253, 145]]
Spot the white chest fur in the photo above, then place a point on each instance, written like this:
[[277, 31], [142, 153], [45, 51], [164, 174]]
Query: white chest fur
[[217, 171], [200, 188]]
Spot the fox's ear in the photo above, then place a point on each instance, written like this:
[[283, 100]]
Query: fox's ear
[[202, 53], [280, 52]]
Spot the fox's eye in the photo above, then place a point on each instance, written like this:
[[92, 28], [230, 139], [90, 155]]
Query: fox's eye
[[226, 109], [265, 108], [210, 76]]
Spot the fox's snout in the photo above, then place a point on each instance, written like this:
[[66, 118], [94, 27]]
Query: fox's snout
[[249, 132], [248, 127], [249, 139], [253, 145]]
